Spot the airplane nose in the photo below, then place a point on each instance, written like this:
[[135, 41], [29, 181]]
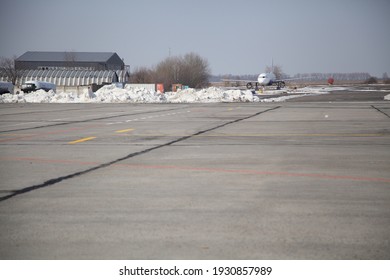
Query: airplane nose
[[260, 80]]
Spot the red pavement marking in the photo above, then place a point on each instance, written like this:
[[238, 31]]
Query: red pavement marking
[[204, 169]]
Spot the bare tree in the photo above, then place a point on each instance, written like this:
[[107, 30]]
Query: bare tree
[[143, 75], [276, 69], [7, 67], [168, 71], [191, 70], [195, 71]]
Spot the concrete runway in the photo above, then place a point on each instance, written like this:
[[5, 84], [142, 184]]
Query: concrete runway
[[299, 180]]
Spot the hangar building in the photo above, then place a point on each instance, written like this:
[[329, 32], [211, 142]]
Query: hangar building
[[69, 61], [70, 69]]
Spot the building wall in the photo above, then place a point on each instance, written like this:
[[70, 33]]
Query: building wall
[[115, 63], [73, 78]]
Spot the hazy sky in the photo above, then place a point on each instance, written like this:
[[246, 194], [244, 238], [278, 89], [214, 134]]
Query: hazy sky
[[238, 37]]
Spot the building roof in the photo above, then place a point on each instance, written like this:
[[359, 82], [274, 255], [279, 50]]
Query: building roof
[[66, 56]]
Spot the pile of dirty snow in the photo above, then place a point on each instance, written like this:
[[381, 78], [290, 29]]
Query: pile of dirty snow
[[210, 95], [113, 94]]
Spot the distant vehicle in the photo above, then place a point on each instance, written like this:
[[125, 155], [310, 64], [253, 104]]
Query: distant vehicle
[[6, 87], [30, 86]]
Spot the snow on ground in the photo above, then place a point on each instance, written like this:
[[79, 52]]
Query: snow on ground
[[113, 94], [306, 91], [387, 97]]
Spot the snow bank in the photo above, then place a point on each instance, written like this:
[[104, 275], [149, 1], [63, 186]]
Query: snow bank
[[307, 91], [210, 95], [113, 94]]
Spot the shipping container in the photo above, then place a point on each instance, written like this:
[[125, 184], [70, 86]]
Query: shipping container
[[160, 88], [176, 87]]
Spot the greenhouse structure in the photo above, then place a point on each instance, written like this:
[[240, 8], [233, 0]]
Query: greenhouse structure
[[70, 78]]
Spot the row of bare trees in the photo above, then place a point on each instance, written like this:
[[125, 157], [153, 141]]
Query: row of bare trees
[[191, 70]]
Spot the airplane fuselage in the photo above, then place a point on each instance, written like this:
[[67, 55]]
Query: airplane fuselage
[[266, 79], [263, 80]]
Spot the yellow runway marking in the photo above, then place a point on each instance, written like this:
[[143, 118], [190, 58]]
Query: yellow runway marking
[[82, 140], [124, 130]]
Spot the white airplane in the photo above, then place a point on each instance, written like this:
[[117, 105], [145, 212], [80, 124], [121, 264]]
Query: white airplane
[[264, 79]]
